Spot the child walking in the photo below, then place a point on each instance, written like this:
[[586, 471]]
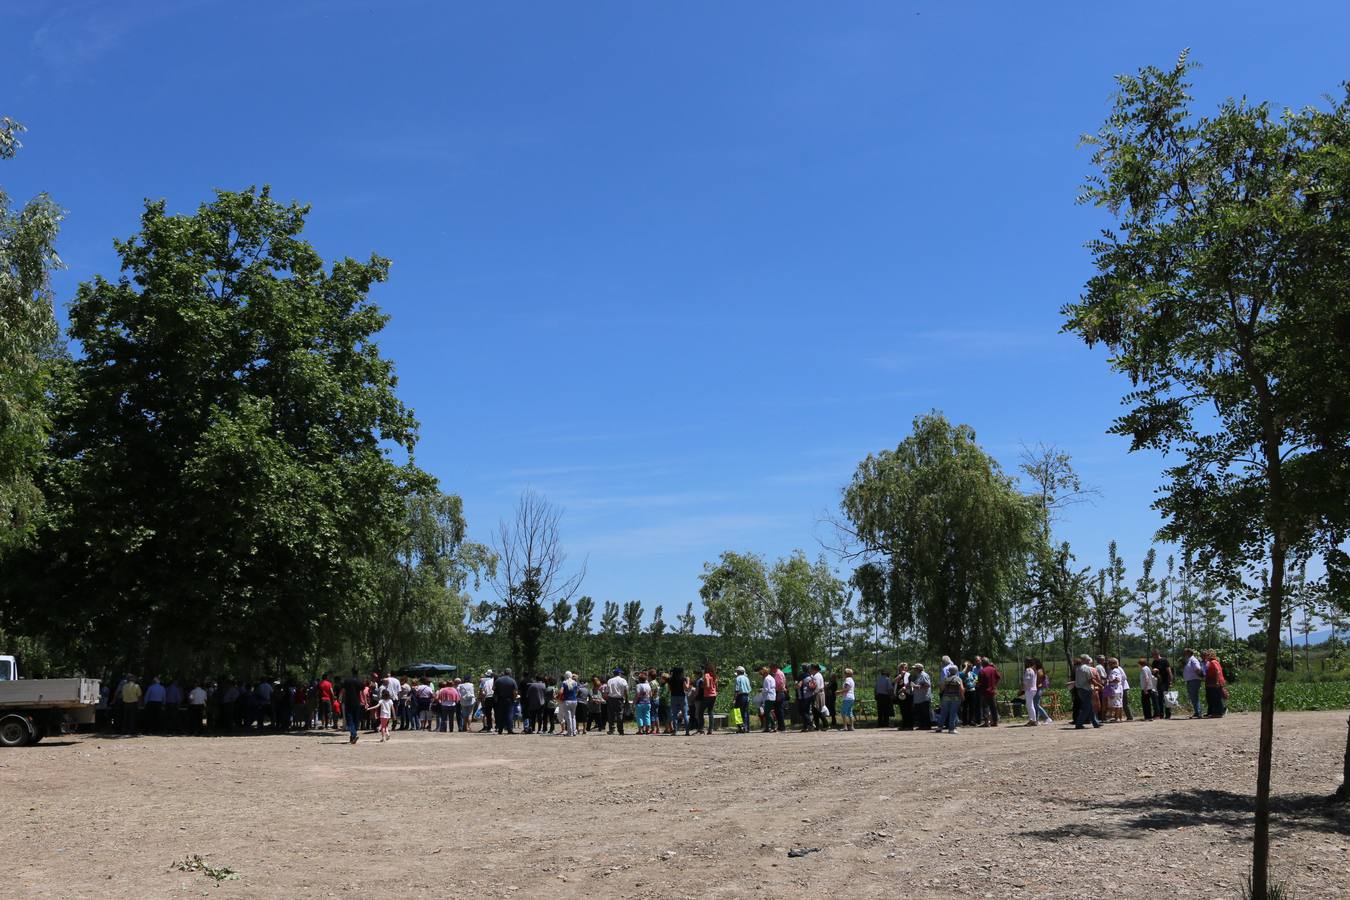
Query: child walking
[[386, 712]]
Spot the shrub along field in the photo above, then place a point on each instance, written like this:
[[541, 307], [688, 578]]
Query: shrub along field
[[1246, 697]]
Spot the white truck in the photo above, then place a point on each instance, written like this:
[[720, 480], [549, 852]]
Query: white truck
[[31, 709]]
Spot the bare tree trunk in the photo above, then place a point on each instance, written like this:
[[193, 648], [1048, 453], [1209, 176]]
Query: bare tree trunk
[[1261, 837], [1343, 792]]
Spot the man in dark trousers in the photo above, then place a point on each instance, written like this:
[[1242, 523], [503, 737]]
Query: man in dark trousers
[[504, 696], [885, 698], [351, 703], [1163, 668], [616, 697], [989, 678]]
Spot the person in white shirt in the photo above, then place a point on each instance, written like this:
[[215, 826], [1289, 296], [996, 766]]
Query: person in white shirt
[[466, 702], [1148, 687], [847, 696], [1029, 690], [616, 695], [485, 701], [773, 720], [820, 716], [1118, 672], [196, 709]]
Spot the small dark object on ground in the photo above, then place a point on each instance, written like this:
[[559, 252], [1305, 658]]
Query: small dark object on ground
[[802, 851]]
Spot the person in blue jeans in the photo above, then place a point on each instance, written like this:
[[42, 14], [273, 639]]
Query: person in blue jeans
[[351, 703], [952, 692], [679, 701], [742, 699], [1194, 675]]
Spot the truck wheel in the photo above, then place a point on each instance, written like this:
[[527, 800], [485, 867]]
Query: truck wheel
[[14, 731]]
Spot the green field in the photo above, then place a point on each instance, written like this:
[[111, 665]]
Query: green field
[[1246, 697]]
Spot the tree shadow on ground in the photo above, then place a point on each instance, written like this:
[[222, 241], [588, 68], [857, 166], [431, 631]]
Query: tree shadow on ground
[[1177, 809]]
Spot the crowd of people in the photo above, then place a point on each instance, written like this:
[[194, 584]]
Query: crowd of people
[[662, 702]]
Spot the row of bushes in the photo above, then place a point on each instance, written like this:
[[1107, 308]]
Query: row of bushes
[[1246, 697]]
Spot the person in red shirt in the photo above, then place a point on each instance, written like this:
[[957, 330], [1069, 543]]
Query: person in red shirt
[[299, 709], [1216, 687], [989, 678], [326, 702]]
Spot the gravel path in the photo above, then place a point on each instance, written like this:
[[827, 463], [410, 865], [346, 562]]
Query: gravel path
[[1132, 810]]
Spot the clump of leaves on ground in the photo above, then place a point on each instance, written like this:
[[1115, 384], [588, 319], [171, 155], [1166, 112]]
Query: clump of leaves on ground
[[195, 863]]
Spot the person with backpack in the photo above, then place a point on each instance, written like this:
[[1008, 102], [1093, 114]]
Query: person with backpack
[[951, 693]]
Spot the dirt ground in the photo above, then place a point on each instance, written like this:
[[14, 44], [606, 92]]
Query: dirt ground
[[1131, 810]]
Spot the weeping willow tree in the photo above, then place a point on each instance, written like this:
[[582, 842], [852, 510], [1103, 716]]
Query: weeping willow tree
[[27, 339], [942, 536]]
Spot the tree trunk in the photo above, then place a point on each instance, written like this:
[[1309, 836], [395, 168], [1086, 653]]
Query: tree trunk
[[1291, 641], [1261, 837], [1343, 793]]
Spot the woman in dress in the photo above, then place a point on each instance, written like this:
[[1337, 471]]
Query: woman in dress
[[1216, 687]]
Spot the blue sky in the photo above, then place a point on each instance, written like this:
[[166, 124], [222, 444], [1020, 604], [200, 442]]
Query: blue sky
[[679, 267]]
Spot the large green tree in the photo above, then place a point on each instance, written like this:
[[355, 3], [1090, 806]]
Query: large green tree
[[1223, 293], [221, 486], [791, 605], [943, 536], [419, 605], [27, 348]]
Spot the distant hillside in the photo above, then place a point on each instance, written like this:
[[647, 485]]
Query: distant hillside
[[1319, 637]]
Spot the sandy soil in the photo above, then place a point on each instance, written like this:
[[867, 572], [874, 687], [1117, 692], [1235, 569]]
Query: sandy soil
[[1131, 810]]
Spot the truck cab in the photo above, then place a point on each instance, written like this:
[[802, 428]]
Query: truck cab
[[9, 669]]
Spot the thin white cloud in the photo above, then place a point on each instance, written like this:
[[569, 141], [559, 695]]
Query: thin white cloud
[[832, 475], [982, 342], [687, 533], [645, 467], [78, 35]]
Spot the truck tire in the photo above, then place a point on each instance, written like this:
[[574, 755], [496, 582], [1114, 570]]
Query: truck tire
[[14, 731]]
